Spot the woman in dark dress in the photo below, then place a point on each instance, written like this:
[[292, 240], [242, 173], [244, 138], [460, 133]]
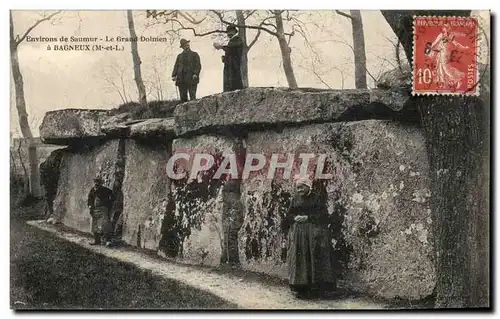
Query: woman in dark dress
[[309, 254]]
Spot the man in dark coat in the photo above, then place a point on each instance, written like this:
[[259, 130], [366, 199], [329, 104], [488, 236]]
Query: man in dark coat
[[186, 73], [232, 60], [100, 201]]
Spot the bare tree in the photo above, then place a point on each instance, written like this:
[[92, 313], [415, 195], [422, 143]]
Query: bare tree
[[358, 47], [34, 179], [156, 84], [20, 155], [13, 166], [241, 21], [285, 49], [113, 76], [314, 60], [136, 60]]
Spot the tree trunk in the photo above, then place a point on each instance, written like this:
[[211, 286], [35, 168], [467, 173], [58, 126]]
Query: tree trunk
[[244, 58], [13, 166], [358, 42], [26, 187], [285, 52], [34, 170], [456, 130], [137, 61]]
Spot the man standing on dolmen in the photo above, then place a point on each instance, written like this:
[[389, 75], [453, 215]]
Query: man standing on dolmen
[[186, 73], [232, 60]]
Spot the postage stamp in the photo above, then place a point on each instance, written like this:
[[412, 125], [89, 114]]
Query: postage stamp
[[445, 52]]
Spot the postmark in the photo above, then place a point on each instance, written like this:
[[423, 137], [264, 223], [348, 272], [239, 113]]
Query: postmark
[[445, 56]]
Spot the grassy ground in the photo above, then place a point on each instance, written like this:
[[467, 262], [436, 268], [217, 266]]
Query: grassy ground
[[50, 273]]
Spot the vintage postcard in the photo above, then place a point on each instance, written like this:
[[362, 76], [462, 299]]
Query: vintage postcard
[[250, 159]]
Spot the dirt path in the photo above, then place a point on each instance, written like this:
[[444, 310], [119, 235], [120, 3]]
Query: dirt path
[[243, 293], [47, 272]]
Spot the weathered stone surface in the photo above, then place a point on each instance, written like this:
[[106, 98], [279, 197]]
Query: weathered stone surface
[[153, 109], [78, 168], [270, 106], [378, 201], [144, 193], [232, 220], [396, 99], [63, 127], [153, 127], [399, 77], [122, 125], [69, 126], [195, 221], [49, 177], [116, 125]]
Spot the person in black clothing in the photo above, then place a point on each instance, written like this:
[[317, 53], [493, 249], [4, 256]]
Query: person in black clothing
[[100, 200], [310, 257], [186, 73], [232, 60]]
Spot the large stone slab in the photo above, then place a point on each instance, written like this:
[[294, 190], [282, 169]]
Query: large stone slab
[[270, 106], [78, 168], [378, 203], [63, 127], [122, 126], [399, 77], [73, 126], [116, 125], [194, 226], [156, 127], [144, 193]]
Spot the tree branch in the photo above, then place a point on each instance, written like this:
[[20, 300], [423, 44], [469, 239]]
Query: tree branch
[[220, 15], [174, 13], [196, 34], [341, 76], [21, 39], [319, 77], [250, 13], [277, 12], [344, 14], [259, 27], [368, 72], [189, 18], [255, 39], [341, 42], [268, 24]]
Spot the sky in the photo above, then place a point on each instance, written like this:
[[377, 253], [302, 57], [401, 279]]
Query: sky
[[104, 80]]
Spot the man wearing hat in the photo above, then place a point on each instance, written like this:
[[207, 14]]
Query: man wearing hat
[[100, 201], [232, 60], [186, 71]]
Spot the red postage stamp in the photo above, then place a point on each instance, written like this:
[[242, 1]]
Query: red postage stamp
[[445, 52]]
